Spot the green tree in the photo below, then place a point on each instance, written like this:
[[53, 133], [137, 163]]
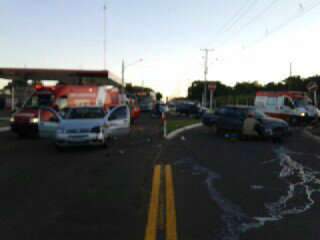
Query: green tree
[[159, 96]]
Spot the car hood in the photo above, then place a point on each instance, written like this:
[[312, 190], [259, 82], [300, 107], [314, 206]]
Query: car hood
[[274, 122], [81, 124]]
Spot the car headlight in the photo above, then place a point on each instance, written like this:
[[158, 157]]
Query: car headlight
[[61, 130], [96, 129], [12, 119], [34, 120], [302, 114]]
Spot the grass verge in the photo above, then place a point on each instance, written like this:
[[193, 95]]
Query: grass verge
[[175, 124]]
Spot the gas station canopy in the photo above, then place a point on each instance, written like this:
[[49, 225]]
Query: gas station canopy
[[68, 76]]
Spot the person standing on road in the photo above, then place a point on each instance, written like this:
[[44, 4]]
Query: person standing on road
[[251, 127]]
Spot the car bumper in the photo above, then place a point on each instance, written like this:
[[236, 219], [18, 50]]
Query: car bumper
[[278, 132], [24, 128], [90, 139]]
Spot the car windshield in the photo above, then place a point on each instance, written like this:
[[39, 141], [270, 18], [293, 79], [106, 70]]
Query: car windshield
[[40, 100], [302, 102], [85, 113]]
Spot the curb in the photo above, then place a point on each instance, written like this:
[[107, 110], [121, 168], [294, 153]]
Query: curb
[[4, 118], [4, 129], [181, 130], [310, 135]]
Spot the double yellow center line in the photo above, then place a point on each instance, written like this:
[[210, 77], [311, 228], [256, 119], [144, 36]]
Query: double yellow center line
[[155, 208]]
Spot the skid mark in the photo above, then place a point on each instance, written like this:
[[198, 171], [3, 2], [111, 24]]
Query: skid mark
[[233, 217], [302, 183]]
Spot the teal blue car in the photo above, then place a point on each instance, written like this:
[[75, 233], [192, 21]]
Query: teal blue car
[[83, 125]]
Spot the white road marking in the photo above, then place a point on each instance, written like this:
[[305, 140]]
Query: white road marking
[[4, 129], [306, 182]]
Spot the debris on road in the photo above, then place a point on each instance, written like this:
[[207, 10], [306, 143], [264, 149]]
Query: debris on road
[[257, 187], [302, 183]]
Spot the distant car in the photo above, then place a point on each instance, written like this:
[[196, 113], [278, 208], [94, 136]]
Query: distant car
[[83, 125], [190, 109], [231, 119]]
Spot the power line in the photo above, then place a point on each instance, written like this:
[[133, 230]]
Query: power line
[[302, 11], [260, 14], [254, 19], [244, 13], [240, 12]]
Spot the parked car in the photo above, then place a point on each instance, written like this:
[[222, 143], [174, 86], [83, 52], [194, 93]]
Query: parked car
[[83, 125], [231, 119], [190, 109]]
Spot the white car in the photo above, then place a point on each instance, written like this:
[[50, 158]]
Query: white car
[[83, 125]]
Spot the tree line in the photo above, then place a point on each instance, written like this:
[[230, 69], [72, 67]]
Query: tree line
[[249, 89]]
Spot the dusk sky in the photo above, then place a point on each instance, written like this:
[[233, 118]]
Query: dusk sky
[[253, 39]]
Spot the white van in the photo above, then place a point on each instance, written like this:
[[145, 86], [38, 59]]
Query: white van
[[291, 106]]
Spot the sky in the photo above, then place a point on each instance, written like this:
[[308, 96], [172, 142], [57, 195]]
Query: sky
[[252, 39]]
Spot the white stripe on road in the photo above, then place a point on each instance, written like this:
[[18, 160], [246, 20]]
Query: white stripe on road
[[181, 130], [4, 129]]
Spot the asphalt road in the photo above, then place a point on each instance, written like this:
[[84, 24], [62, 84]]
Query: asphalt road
[[78, 194], [223, 190], [245, 190]]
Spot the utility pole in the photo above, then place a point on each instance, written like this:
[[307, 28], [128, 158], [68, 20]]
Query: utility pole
[[290, 75], [122, 75], [206, 56], [104, 36]]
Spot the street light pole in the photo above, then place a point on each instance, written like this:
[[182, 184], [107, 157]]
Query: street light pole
[[123, 70], [204, 95], [104, 36]]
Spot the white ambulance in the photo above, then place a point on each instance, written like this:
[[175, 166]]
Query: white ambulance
[[292, 106]]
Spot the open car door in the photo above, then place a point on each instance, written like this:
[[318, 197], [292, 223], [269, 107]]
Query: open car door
[[117, 122], [49, 121]]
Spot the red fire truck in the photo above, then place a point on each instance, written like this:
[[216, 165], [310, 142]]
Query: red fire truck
[[25, 121]]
